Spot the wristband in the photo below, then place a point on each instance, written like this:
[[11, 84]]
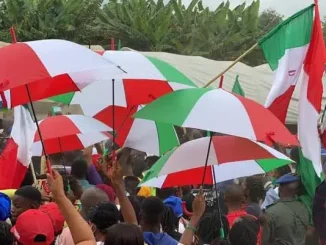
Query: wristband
[[192, 228]]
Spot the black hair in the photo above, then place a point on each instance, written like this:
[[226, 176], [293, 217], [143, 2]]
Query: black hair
[[135, 202], [169, 221], [104, 215], [131, 183], [210, 225], [165, 193], [283, 170], [219, 241], [151, 160], [280, 242], [234, 194], [151, 210], [79, 169], [31, 193], [255, 190], [124, 234], [244, 231], [6, 237]]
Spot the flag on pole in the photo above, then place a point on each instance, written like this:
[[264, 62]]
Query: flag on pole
[[310, 106], [285, 49], [237, 89], [17, 154]]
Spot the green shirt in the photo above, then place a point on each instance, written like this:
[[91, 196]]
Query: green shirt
[[288, 220]]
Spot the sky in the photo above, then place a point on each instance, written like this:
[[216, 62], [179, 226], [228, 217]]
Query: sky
[[284, 7]]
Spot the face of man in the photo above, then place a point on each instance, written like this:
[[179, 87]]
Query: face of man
[[20, 205]]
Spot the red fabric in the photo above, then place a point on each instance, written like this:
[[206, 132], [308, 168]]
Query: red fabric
[[232, 217], [314, 65], [31, 223], [55, 215], [12, 172], [266, 125], [280, 105], [95, 158]]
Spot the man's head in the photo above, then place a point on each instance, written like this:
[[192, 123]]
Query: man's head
[[150, 161], [151, 211], [25, 198], [131, 183], [33, 227], [289, 185], [90, 198], [79, 169], [234, 197], [254, 189]]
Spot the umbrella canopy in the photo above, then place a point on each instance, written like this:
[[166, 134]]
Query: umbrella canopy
[[69, 132], [229, 157], [146, 79], [217, 110], [48, 68], [143, 135]]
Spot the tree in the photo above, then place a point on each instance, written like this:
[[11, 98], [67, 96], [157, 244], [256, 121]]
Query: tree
[[324, 28], [268, 20]]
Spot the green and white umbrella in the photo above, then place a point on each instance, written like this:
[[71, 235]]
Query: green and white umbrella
[[217, 110], [229, 157]]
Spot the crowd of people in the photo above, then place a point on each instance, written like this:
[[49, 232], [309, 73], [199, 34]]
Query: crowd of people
[[94, 199]]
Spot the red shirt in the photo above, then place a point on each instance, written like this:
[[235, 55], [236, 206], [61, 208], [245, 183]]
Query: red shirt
[[237, 214]]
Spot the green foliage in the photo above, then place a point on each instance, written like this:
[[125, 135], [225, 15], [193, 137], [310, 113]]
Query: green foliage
[[146, 25]]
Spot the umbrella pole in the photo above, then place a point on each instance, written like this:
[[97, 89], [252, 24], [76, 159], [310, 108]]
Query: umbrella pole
[[206, 162], [113, 120], [222, 234], [38, 129], [63, 158]]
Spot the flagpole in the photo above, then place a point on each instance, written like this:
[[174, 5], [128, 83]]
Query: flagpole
[[233, 64]]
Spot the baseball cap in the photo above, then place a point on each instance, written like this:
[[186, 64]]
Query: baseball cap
[[53, 211], [31, 224], [287, 179]]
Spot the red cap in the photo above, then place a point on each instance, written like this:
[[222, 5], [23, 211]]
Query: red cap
[[55, 215], [31, 223]]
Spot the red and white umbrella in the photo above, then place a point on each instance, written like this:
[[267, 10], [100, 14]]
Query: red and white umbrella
[[217, 110], [48, 68], [146, 79], [69, 132]]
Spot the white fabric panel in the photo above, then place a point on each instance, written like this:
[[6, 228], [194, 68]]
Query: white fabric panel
[[135, 64], [274, 152], [83, 65], [178, 86], [189, 155], [230, 171], [220, 111], [91, 139], [88, 124], [143, 137], [155, 182], [97, 96], [291, 61]]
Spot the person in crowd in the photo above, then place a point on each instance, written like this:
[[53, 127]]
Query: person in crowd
[[6, 238], [255, 194], [235, 201], [170, 223], [244, 231], [102, 217], [90, 198], [81, 232], [124, 234], [5, 207], [319, 210], [53, 211], [187, 197], [271, 189], [209, 228], [131, 183], [79, 170], [108, 190], [33, 227], [25, 198], [135, 202], [288, 218], [152, 209]]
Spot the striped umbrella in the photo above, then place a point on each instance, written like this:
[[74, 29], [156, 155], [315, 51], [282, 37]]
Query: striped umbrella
[[49, 68], [219, 111], [69, 132], [229, 157], [143, 135], [146, 79]]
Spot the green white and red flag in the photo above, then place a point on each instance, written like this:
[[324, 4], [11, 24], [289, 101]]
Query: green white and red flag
[[285, 49]]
